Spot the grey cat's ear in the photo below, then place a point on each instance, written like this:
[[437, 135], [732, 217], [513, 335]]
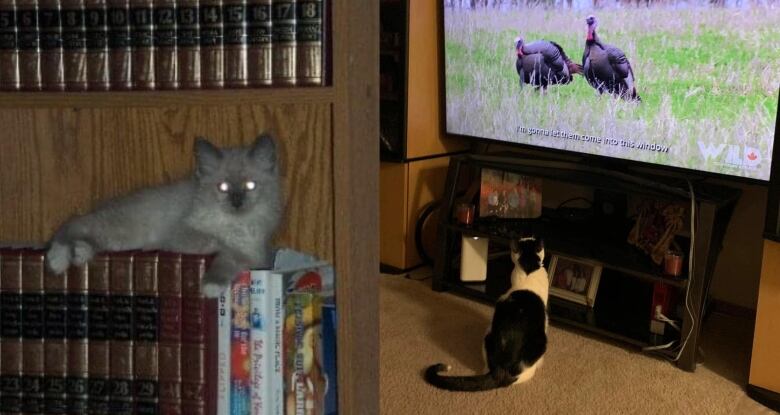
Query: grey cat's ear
[[207, 155], [264, 148]]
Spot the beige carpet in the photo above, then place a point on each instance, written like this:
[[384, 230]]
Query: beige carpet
[[581, 374]]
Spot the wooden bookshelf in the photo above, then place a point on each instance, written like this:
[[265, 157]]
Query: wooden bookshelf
[[63, 152]]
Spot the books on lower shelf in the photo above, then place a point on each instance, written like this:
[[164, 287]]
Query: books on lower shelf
[[99, 45], [131, 333]]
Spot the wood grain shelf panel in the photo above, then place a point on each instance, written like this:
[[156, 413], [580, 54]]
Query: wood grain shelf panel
[[125, 99]]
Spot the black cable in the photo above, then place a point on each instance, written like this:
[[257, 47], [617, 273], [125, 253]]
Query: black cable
[[560, 205]]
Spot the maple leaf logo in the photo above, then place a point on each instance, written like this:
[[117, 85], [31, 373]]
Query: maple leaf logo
[[752, 156]]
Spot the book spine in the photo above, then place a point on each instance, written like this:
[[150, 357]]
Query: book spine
[[223, 347], [119, 45], [9, 47], [169, 275], [212, 65], [74, 45], [76, 331], [32, 333], [146, 309], [99, 335], [56, 345], [301, 380], [212, 357], [283, 42], [276, 331], [11, 331], [259, 341], [121, 333], [165, 61], [142, 35], [309, 42], [33, 362], [193, 348], [259, 42], [52, 65], [188, 43], [28, 40], [329, 355], [96, 26], [240, 382], [235, 18]]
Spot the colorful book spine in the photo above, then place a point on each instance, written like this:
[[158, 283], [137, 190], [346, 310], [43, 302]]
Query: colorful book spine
[[283, 42], [142, 35], [32, 332], [96, 26], [74, 45], [55, 345], [304, 381], [212, 62], [235, 43], [188, 43], [28, 40], [240, 382], [309, 43], [99, 335], [259, 341], [329, 355], [121, 327], [52, 65], [9, 47], [165, 73], [146, 312], [193, 348], [11, 331], [119, 45], [169, 277], [276, 317], [259, 62], [77, 333], [223, 351]]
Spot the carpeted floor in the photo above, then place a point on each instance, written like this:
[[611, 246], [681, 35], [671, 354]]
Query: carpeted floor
[[581, 374]]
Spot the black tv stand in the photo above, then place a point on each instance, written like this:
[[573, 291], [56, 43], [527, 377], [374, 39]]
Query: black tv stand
[[619, 312]]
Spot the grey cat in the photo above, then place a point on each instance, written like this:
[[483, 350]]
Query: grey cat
[[230, 206]]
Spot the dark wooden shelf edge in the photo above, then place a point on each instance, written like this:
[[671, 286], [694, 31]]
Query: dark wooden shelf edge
[[160, 98]]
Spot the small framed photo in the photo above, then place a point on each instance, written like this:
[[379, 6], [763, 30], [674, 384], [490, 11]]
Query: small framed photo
[[574, 279]]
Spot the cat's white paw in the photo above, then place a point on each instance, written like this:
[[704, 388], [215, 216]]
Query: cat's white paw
[[211, 290], [82, 253], [58, 258]]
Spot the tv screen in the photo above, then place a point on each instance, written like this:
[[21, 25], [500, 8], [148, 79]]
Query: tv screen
[[686, 84]]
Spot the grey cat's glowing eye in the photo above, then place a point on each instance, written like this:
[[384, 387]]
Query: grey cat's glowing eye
[[224, 187], [250, 185]]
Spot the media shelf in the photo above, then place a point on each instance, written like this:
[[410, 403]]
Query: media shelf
[[622, 308]]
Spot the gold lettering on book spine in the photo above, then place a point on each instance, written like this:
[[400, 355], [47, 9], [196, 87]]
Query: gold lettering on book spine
[[283, 42], [309, 35], [95, 20], [188, 43], [74, 45], [9, 47], [259, 57]]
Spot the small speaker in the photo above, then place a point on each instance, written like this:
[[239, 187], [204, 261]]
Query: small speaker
[[609, 211]]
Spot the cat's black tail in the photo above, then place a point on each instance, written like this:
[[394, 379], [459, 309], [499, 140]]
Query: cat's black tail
[[490, 380]]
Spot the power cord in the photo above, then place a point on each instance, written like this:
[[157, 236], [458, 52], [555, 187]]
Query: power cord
[[660, 316]]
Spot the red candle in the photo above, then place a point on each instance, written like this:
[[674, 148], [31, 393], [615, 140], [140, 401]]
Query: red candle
[[673, 263]]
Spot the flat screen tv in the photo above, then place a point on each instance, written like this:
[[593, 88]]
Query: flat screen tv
[[684, 84]]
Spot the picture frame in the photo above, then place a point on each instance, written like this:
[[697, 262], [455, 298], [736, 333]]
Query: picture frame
[[574, 279]]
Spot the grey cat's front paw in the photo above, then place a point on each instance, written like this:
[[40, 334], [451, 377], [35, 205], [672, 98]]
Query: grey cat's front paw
[[213, 290], [82, 253], [58, 258]]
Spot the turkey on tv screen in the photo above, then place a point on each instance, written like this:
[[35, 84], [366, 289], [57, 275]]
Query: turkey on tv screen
[[687, 84]]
